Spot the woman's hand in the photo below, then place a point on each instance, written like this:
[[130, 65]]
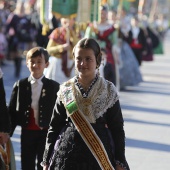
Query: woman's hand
[[66, 46], [119, 167]]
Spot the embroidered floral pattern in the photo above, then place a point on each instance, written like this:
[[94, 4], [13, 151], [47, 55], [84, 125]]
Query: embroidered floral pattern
[[63, 147]]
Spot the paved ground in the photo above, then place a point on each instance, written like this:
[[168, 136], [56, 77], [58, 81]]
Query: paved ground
[[146, 111]]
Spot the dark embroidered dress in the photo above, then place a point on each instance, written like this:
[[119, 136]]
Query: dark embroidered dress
[[69, 151]]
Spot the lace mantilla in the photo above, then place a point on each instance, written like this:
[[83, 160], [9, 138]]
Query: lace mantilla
[[102, 96]]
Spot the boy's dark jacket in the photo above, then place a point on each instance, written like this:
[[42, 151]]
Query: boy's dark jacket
[[20, 102]]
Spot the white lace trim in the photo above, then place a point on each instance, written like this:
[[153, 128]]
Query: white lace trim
[[102, 96]]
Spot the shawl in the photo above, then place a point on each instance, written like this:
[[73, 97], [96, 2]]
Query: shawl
[[102, 96]]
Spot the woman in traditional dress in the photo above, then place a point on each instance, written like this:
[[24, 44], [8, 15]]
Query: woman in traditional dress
[[130, 74], [61, 42], [105, 34], [86, 129]]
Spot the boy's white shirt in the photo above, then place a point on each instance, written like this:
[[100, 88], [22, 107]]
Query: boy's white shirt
[[36, 87]]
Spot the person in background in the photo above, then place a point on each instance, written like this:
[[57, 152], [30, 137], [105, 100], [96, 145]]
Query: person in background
[[129, 73], [106, 69], [42, 37], [20, 33], [31, 106], [60, 44], [3, 46], [136, 39], [87, 121], [105, 34], [42, 40], [6, 149]]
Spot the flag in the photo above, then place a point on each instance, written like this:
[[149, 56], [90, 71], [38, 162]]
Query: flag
[[65, 8]]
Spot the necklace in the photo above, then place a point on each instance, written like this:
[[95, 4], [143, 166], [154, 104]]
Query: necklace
[[86, 91]]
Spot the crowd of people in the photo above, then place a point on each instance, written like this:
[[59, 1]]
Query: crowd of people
[[116, 32], [68, 107]]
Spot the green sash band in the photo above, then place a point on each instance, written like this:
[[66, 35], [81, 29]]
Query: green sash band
[[69, 100], [72, 107]]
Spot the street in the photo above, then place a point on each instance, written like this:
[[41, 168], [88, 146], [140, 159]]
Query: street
[[146, 111]]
